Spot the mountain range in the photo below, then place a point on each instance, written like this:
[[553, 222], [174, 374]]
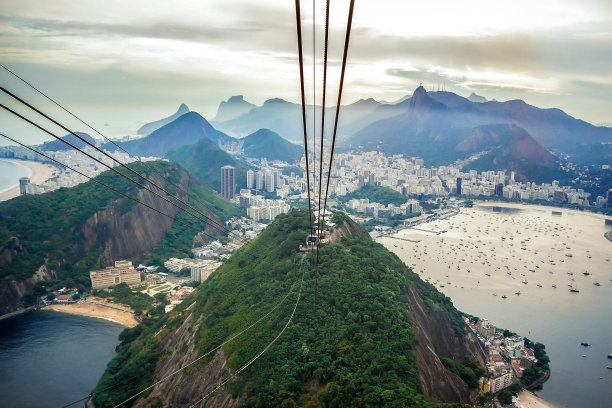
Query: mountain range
[[367, 123], [57, 145]]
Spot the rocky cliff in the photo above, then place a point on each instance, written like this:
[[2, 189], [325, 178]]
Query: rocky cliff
[[61, 235]]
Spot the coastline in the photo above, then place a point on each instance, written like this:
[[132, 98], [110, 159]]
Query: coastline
[[39, 173], [117, 313], [527, 399]]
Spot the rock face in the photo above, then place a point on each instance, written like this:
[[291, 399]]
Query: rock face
[[436, 339], [189, 385], [12, 292], [124, 235]]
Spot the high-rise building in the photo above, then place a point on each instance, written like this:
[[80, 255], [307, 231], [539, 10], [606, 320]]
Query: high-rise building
[[610, 198], [458, 185], [23, 184], [259, 182], [269, 182], [499, 189], [228, 182], [250, 179]]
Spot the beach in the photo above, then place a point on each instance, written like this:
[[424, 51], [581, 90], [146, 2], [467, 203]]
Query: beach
[[527, 399], [39, 174], [99, 308]]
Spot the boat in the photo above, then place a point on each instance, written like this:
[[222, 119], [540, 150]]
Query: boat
[[597, 284], [574, 290], [539, 286], [586, 273], [610, 355], [585, 344], [555, 286], [609, 367], [518, 292], [584, 355], [505, 297]]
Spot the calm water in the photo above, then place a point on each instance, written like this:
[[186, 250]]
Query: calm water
[[534, 249], [49, 359], [10, 173]]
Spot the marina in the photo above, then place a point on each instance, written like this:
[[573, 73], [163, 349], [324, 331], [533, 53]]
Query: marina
[[522, 250]]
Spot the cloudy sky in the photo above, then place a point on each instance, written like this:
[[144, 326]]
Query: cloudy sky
[[119, 63]]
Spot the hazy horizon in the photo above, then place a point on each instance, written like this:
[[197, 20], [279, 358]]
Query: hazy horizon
[[120, 64]]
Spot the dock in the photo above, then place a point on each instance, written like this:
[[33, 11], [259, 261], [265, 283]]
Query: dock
[[403, 239], [425, 230]]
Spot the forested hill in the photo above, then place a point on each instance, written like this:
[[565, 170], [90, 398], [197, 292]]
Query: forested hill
[[353, 340], [54, 239]]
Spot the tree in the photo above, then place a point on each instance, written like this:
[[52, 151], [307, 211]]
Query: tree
[[505, 398]]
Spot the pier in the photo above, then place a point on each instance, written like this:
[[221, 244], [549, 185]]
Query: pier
[[404, 239], [425, 230]]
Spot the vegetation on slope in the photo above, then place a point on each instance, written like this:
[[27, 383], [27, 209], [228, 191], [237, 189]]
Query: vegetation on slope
[[350, 342], [46, 229], [204, 159], [377, 194], [269, 145]]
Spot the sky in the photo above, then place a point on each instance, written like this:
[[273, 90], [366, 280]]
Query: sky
[[118, 64]]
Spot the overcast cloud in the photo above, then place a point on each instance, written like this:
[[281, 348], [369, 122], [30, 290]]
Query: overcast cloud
[[118, 63]]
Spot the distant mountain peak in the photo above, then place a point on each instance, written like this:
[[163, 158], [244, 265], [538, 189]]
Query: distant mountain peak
[[232, 108], [476, 98], [274, 101], [420, 101], [151, 127]]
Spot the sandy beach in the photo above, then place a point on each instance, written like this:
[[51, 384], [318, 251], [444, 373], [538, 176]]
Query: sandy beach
[[39, 174], [527, 399], [99, 308]]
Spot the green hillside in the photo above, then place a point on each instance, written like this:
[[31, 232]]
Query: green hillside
[[204, 160], [350, 343], [56, 229], [377, 194], [266, 144]]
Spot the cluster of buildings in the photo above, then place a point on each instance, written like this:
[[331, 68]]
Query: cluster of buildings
[[263, 209], [490, 183], [409, 176], [176, 265], [364, 206], [177, 295], [64, 177], [508, 356], [63, 295], [121, 272]]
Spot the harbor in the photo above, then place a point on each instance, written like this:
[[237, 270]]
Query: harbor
[[512, 266]]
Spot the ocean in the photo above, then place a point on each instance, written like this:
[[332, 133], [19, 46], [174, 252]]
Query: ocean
[[50, 359], [483, 254], [10, 173]]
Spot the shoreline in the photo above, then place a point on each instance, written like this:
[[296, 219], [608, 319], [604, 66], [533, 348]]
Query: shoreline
[[116, 313], [528, 399], [39, 173]]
